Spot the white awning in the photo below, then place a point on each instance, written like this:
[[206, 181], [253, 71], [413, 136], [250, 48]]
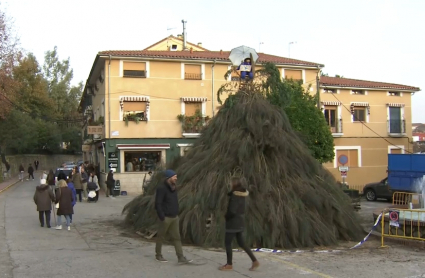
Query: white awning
[[395, 104], [134, 98], [331, 103], [364, 104], [194, 99], [142, 146]]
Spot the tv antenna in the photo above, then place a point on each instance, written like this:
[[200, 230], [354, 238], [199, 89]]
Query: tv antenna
[[289, 48]]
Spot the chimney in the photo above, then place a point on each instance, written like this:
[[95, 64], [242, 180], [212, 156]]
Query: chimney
[[221, 52], [184, 34], [200, 44], [180, 36], [191, 50]]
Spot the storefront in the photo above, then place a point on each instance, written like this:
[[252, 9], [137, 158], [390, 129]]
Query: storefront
[[132, 159]]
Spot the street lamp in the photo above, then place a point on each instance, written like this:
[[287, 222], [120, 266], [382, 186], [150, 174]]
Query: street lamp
[[259, 46]]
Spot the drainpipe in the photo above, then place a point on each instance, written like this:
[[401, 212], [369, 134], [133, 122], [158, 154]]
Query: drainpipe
[[212, 88], [109, 98]]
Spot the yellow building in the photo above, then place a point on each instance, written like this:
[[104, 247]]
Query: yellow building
[[134, 102], [368, 120]]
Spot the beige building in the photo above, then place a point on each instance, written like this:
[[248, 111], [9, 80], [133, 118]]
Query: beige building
[[147, 106], [368, 121]]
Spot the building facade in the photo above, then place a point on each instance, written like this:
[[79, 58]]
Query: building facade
[[143, 108], [368, 121]]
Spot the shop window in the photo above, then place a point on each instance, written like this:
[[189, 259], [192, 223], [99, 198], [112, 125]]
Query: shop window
[[141, 161]]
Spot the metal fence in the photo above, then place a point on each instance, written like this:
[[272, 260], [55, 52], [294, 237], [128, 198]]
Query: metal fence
[[358, 187], [403, 224], [404, 198]]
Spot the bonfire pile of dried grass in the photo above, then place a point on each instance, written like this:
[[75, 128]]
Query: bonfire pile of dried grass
[[293, 200]]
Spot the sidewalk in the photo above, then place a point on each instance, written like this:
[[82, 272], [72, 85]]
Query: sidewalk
[[8, 183]]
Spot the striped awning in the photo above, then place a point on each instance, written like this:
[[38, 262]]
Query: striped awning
[[134, 98], [364, 104], [194, 99], [395, 104], [331, 103]]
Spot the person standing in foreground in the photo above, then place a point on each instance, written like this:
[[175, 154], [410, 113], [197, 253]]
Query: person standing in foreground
[[43, 198], [65, 199], [235, 223], [167, 208]]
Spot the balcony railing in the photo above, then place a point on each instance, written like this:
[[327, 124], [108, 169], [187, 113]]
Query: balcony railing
[[337, 129], [193, 125], [396, 127], [193, 76]]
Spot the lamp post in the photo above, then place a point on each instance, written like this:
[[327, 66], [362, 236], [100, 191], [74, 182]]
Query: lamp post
[[259, 46]]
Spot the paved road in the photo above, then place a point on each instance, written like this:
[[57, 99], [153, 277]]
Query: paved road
[[97, 246]]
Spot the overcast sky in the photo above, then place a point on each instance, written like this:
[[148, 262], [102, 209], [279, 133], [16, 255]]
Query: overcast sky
[[379, 40]]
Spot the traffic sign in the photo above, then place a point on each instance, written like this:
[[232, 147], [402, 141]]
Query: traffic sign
[[343, 174], [343, 168], [343, 159]]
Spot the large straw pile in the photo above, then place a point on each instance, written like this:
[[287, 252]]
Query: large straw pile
[[293, 200]]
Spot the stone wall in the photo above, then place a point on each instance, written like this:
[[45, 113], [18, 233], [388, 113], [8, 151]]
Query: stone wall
[[47, 162]]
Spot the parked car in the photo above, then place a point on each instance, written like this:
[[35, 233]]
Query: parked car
[[375, 190], [80, 162], [68, 164], [66, 170]]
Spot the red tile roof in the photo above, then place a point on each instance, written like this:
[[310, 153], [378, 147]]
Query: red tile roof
[[354, 83], [204, 55]]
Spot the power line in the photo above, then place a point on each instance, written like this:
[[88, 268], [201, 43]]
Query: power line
[[364, 124]]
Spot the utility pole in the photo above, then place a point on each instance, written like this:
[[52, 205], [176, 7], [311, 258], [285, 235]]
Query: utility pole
[[318, 87]]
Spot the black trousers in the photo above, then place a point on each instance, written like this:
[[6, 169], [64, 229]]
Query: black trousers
[[30, 175], [228, 243], [79, 191], [41, 215], [111, 191]]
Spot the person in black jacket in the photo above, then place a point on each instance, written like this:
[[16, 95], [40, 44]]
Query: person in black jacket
[[30, 172], [167, 208], [235, 223]]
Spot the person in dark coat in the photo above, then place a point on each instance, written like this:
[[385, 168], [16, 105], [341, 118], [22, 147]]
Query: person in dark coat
[[64, 198], [43, 198], [74, 194], [167, 208], [235, 223], [30, 172], [76, 180], [110, 183], [61, 176], [36, 163]]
